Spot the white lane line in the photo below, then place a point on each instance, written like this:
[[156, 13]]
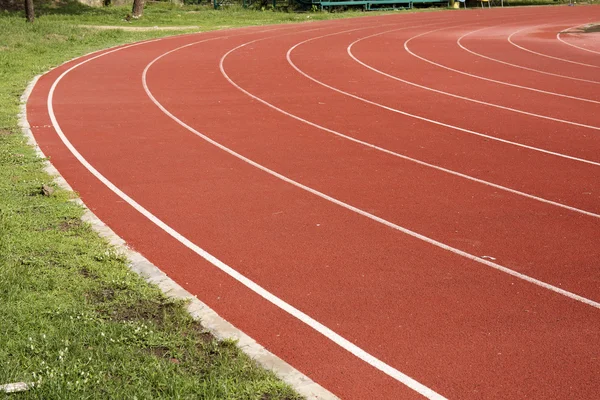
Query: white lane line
[[542, 54], [317, 326], [566, 31], [359, 211], [420, 117], [390, 152], [459, 42], [479, 77]]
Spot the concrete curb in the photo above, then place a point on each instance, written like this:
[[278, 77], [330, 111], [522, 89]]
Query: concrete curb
[[220, 328]]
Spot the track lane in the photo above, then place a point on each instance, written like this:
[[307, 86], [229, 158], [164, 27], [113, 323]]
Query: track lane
[[235, 231]]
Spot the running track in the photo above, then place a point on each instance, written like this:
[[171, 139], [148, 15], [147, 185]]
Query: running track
[[419, 192]]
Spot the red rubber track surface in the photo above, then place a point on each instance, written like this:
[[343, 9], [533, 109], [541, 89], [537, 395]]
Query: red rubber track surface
[[455, 325]]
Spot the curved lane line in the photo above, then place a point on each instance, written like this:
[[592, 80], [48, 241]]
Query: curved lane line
[[526, 68], [359, 211], [571, 44], [542, 54], [478, 77], [325, 331], [420, 117], [392, 153]]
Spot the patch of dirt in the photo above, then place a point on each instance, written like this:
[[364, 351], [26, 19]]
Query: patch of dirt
[[147, 310], [86, 273], [141, 28], [44, 190], [70, 224], [102, 296], [4, 131], [160, 351], [47, 190], [201, 333]]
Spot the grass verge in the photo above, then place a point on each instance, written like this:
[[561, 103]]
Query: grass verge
[[73, 317]]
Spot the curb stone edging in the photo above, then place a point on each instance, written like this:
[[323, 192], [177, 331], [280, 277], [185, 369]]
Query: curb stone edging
[[209, 319]]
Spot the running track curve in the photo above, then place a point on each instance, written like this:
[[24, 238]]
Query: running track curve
[[354, 196]]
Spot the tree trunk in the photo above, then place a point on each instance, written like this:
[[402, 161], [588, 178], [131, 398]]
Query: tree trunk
[[29, 13], [138, 8]]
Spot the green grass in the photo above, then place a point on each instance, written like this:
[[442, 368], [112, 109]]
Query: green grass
[[73, 317]]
